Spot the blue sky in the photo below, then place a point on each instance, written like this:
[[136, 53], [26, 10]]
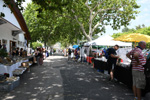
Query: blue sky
[[142, 18]]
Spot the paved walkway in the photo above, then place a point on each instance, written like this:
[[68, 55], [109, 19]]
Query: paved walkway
[[59, 79]]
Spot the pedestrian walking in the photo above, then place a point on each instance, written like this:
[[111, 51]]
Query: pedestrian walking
[[137, 61], [69, 54], [82, 56], [112, 59], [36, 53], [41, 57]]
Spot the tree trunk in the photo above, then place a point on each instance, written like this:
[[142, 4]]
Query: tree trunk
[[45, 44], [89, 38]]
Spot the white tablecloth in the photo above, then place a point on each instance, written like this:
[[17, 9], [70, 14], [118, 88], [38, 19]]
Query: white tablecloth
[[10, 69], [101, 59]]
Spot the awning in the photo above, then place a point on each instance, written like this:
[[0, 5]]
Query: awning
[[6, 24]]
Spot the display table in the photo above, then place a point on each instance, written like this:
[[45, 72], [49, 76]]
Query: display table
[[122, 73], [10, 69], [100, 64]]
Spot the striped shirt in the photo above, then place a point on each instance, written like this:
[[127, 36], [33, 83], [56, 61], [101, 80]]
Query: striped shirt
[[141, 58]]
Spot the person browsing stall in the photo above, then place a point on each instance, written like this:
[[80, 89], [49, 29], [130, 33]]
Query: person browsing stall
[[137, 61], [21, 52], [112, 59], [17, 51]]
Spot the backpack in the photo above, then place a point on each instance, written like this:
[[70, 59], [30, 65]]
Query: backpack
[[106, 53], [69, 51]]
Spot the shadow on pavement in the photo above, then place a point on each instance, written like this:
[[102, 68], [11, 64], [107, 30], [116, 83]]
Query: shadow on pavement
[[82, 82], [41, 83]]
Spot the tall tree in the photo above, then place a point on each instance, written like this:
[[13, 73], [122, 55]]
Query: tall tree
[[138, 27], [41, 26], [99, 13], [143, 25], [126, 29], [93, 15], [51, 26], [45, 4]]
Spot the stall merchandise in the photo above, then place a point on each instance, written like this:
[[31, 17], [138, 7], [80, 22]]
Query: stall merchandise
[[19, 71], [9, 68], [10, 64]]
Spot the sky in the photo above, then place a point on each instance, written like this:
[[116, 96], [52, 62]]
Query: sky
[[142, 18], [25, 3]]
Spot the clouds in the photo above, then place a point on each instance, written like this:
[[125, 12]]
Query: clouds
[[146, 9], [142, 1], [142, 18]]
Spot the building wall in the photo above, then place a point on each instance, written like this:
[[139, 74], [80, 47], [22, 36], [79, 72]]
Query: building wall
[[8, 15], [6, 29], [6, 34]]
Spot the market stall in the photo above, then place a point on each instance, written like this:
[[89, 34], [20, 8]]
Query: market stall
[[14, 40], [107, 40], [122, 73], [11, 67]]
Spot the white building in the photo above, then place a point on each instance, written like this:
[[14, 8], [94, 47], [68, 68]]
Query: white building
[[13, 29]]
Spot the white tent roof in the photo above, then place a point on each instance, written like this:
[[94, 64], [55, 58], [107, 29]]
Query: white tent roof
[[107, 41]]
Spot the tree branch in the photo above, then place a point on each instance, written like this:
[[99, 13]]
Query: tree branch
[[97, 5], [86, 3], [100, 10], [81, 25], [103, 20], [90, 17], [98, 23]]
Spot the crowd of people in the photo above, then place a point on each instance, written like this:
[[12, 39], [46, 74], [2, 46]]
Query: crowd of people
[[76, 54], [17, 52], [39, 55], [138, 61]]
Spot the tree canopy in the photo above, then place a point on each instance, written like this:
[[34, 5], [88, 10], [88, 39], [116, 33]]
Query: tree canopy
[[36, 44], [94, 15], [51, 26], [70, 20]]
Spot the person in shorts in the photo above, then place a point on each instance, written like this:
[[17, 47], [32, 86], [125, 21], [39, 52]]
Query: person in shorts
[[137, 61], [112, 59]]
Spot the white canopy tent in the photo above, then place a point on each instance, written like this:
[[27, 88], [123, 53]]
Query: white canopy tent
[[107, 40]]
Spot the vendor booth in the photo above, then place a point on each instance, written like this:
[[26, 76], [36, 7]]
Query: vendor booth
[[14, 36], [122, 73], [107, 41]]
